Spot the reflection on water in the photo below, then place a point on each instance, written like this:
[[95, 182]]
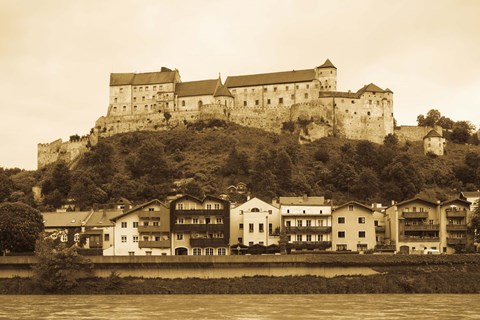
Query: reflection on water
[[241, 307]]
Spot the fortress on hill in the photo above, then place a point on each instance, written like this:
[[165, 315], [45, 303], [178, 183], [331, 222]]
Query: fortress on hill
[[304, 101]]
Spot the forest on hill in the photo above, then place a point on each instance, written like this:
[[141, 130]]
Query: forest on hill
[[207, 157]]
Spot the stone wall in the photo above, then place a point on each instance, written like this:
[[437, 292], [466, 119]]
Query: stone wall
[[414, 133], [68, 151]]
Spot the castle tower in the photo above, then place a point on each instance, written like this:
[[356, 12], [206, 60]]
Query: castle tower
[[222, 95], [434, 142], [326, 74]]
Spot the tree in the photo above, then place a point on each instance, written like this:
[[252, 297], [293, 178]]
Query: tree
[[390, 140], [150, 161], [19, 228], [474, 227], [462, 131], [193, 188], [58, 266], [284, 170], [6, 186], [430, 120], [85, 191]]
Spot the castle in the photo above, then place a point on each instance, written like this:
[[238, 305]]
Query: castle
[[303, 100]]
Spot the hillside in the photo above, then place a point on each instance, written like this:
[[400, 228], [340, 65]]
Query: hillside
[[208, 157]]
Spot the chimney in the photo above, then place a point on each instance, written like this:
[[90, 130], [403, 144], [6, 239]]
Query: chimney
[[393, 202]]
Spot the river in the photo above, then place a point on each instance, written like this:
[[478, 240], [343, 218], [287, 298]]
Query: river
[[355, 306]]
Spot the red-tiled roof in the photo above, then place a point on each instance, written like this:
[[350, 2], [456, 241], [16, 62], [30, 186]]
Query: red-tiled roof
[[270, 78]]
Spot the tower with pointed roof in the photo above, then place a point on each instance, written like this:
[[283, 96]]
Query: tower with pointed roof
[[326, 74]]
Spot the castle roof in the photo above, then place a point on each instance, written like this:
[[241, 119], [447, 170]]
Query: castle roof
[[196, 88], [270, 78], [221, 90], [327, 64], [370, 88], [433, 134], [122, 79]]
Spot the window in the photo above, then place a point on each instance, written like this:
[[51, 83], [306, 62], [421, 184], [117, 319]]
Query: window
[[288, 224], [299, 223], [341, 234], [361, 220], [124, 239], [131, 253], [217, 206], [151, 209], [145, 223], [143, 98], [135, 224], [299, 237], [209, 207], [195, 220], [255, 210], [250, 243], [361, 234], [179, 206], [286, 87], [320, 237], [250, 227], [268, 101], [292, 97], [180, 221], [179, 236], [240, 240], [209, 251], [341, 220], [297, 86], [115, 100], [145, 238], [280, 100], [154, 87], [274, 89], [197, 251], [146, 88], [368, 113], [270, 228], [350, 207], [256, 102], [155, 223], [240, 226], [361, 247], [309, 223], [289, 238], [135, 238], [306, 95], [106, 237], [341, 247], [309, 237], [260, 227], [244, 103], [64, 238], [221, 251], [183, 103], [219, 220], [308, 86], [121, 89], [264, 89], [124, 224], [148, 253]]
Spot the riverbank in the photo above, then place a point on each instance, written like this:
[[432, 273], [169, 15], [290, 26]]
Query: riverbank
[[390, 279]]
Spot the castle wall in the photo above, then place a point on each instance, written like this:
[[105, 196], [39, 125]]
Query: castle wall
[[193, 103], [414, 133], [58, 150]]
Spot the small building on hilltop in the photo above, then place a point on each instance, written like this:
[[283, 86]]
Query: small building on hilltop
[[434, 143]]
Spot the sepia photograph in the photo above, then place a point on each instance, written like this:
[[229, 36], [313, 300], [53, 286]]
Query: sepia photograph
[[216, 159]]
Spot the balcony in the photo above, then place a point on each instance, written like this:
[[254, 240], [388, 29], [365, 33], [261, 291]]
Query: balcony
[[421, 227], [153, 229], [456, 213], [154, 244], [308, 230], [418, 239], [415, 215], [456, 241], [149, 215], [200, 212], [199, 227], [456, 227], [208, 242], [379, 229]]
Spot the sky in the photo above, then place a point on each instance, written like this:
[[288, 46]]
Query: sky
[[56, 56]]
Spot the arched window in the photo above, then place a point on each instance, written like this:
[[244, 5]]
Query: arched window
[[255, 210], [183, 103]]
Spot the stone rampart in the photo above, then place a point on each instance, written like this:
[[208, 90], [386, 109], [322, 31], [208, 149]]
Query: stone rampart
[[414, 133], [68, 151]]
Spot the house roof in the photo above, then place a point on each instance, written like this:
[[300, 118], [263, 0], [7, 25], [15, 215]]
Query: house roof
[[270, 78], [121, 79], [471, 194], [456, 200], [327, 64], [102, 218], [254, 199], [65, 219], [355, 203], [433, 134], [309, 201], [414, 200], [353, 95], [196, 88], [143, 205], [208, 197]]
